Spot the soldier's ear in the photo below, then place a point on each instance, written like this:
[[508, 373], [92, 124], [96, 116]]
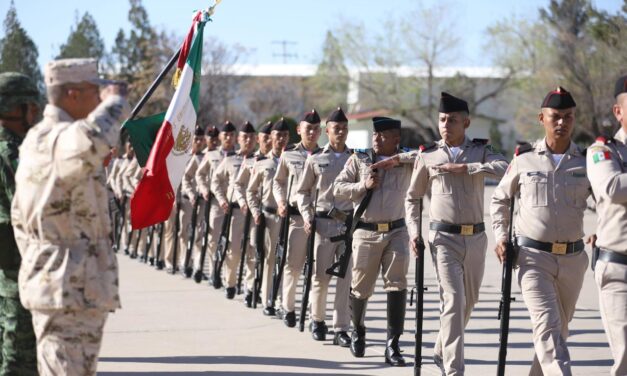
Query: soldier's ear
[[541, 117]]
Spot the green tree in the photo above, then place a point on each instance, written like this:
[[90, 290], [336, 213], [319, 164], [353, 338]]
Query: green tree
[[18, 52], [84, 40], [329, 86]]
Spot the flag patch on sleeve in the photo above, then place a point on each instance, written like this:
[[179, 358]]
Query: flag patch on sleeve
[[601, 156]]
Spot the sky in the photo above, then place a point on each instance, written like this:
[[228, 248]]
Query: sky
[[259, 25]]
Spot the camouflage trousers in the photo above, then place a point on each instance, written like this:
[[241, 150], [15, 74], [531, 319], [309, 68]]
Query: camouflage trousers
[[68, 341], [17, 340]]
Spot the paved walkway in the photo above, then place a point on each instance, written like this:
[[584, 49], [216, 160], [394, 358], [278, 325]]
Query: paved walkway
[[172, 326]]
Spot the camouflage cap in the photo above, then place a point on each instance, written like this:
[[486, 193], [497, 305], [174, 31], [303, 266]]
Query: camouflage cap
[[16, 89], [67, 71]]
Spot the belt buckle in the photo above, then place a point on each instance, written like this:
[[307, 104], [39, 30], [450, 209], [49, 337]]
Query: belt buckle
[[383, 227], [559, 248], [468, 230]]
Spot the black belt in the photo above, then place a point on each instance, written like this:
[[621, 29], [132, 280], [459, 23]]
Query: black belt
[[458, 229], [339, 238], [234, 205], [292, 210], [612, 256], [269, 210], [554, 248], [382, 226], [323, 214]]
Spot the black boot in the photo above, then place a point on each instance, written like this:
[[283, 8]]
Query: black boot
[[290, 319], [318, 330], [396, 319], [358, 316], [230, 292], [248, 299]]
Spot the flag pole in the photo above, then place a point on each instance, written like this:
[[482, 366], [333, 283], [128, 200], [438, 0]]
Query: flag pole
[[154, 85]]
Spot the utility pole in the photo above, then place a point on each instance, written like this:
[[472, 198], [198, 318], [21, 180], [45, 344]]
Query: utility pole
[[285, 55]]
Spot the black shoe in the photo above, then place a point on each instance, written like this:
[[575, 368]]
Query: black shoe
[[248, 299], [160, 265], [358, 343], [133, 255], [230, 292], [151, 261], [290, 319], [318, 330], [188, 272], [396, 303], [269, 311], [126, 252], [393, 355], [342, 339]]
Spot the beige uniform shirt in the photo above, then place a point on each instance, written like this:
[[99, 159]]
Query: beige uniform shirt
[[262, 178], [117, 184], [386, 204], [242, 179], [292, 163], [320, 172], [607, 168], [188, 184], [113, 172], [131, 177], [223, 180], [60, 211], [210, 161], [455, 198], [552, 199]]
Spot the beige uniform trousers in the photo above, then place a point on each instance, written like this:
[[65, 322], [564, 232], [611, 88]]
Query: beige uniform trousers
[[216, 216], [550, 286], [459, 263], [273, 224], [612, 282], [384, 252], [68, 341], [125, 241], [186, 227], [296, 256], [234, 254], [169, 238], [325, 255]]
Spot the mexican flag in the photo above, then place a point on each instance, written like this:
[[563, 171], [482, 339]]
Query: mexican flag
[[170, 150]]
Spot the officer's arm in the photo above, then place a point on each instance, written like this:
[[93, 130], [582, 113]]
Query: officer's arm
[[501, 199], [220, 182], [605, 174], [187, 185], [239, 186], [107, 117], [494, 165], [279, 183], [202, 175], [417, 188], [303, 193], [252, 192], [348, 185]]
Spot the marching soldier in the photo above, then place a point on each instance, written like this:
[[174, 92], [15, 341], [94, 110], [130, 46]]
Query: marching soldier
[[380, 241], [319, 174], [264, 140], [550, 179], [117, 185], [223, 185], [209, 163], [60, 213], [454, 168], [607, 168], [131, 177], [19, 110], [291, 165], [261, 182]]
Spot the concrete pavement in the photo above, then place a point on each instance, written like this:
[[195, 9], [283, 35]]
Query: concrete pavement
[[171, 326]]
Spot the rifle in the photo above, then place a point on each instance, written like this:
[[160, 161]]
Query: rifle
[[259, 256], [311, 240], [157, 261], [187, 268], [340, 267], [177, 228], [420, 289], [244, 246], [205, 240], [223, 246], [121, 223], [281, 249], [506, 293]]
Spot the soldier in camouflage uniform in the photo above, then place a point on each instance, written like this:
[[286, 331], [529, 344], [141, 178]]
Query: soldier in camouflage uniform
[[18, 111], [68, 278]]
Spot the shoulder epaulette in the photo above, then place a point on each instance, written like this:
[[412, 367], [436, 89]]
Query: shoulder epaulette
[[231, 153], [289, 147], [605, 140], [523, 148], [405, 150], [480, 141], [427, 146]]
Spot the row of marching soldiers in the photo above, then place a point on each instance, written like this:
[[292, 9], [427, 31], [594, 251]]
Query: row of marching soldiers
[[369, 202]]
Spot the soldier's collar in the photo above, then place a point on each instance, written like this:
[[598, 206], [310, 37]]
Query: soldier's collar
[[573, 149], [328, 149], [56, 114]]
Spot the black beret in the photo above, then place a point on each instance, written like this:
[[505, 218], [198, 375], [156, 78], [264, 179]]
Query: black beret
[[280, 125], [211, 131], [338, 116], [311, 117], [449, 103], [558, 99], [198, 131], [381, 123], [228, 127], [266, 128], [247, 128], [620, 87]]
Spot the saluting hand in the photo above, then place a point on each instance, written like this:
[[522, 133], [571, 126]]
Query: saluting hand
[[454, 168], [500, 250], [387, 164]]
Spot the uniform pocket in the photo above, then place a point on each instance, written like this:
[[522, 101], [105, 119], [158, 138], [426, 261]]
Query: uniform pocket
[[535, 189], [576, 191], [442, 184]]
